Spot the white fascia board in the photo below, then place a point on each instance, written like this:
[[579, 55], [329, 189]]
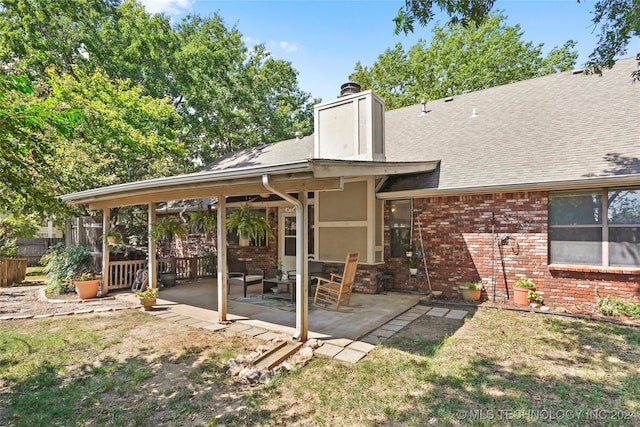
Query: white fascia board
[[347, 168], [192, 179]]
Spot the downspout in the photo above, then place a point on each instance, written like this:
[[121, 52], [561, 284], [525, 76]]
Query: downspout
[[302, 288]]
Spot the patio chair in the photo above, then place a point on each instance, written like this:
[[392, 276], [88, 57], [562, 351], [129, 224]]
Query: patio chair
[[238, 274], [337, 289]]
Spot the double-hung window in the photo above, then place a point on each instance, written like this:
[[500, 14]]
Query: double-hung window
[[596, 227]]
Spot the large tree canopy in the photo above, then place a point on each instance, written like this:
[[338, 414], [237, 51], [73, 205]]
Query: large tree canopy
[[459, 59], [617, 20], [156, 98]]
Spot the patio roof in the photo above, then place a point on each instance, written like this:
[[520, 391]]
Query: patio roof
[[292, 177]]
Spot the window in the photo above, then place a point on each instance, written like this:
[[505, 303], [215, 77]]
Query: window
[[595, 227], [399, 227]]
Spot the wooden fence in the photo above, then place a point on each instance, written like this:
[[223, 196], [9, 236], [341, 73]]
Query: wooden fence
[[12, 270], [123, 273], [34, 249]]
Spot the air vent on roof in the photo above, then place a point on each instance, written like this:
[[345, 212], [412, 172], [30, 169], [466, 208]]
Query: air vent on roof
[[349, 88], [449, 99], [298, 135], [578, 71]]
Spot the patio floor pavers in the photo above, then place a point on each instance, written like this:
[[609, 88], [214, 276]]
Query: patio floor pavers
[[350, 356]]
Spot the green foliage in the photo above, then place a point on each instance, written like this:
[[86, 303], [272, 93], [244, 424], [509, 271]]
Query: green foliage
[[474, 286], [248, 224], [227, 95], [202, 222], [612, 306], [166, 228], [61, 264], [524, 283], [535, 297], [148, 293], [460, 59], [618, 22], [13, 226]]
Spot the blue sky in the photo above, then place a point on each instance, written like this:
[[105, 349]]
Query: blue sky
[[323, 39]]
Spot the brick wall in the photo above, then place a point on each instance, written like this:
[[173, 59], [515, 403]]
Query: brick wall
[[461, 245]]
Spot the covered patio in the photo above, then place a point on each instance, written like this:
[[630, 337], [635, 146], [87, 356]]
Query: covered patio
[[199, 300]]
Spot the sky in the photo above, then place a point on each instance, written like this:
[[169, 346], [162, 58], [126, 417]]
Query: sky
[[324, 39]]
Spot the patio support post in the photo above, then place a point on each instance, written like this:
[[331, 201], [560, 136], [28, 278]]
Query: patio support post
[[152, 264], [106, 225], [302, 286], [302, 278], [222, 260]]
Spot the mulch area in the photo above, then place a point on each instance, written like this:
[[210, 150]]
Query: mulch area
[[584, 311]]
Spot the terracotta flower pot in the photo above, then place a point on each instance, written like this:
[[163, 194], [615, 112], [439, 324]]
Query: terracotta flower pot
[[471, 294], [521, 295], [87, 289], [148, 303]]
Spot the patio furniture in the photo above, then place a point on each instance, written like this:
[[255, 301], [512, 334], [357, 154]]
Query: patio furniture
[[238, 274], [141, 281], [337, 289], [269, 284]]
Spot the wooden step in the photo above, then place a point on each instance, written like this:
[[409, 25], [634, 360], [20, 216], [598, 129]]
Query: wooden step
[[276, 355]]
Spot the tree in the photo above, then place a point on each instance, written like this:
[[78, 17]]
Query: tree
[[228, 96], [619, 21], [31, 127], [460, 59]]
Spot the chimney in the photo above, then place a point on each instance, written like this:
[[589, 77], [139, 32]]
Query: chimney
[[349, 88]]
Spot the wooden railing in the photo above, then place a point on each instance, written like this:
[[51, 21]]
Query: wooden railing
[[123, 273], [189, 268], [12, 270]]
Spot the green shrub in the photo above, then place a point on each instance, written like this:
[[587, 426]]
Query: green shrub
[[612, 306], [63, 263]]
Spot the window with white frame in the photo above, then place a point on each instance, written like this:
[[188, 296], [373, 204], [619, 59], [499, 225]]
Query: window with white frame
[[596, 227], [399, 227]]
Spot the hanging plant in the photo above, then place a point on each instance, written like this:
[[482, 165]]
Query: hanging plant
[[247, 224], [204, 222], [166, 228]]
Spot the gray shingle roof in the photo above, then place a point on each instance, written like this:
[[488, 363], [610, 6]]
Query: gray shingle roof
[[562, 128]]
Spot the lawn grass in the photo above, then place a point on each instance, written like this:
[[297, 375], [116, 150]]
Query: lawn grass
[[500, 368]]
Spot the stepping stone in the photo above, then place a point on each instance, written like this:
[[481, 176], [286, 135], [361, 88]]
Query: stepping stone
[[383, 333], [238, 327], [341, 342], [372, 339], [188, 321], [394, 328], [253, 332], [215, 327], [349, 356], [328, 350], [267, 336], [361, 346], [438, 312], [396, 322], [421, 308], [457, 314]]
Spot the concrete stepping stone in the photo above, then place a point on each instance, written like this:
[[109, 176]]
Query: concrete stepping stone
[[349, 356], [328, 350], [457, 314], [438, 312]]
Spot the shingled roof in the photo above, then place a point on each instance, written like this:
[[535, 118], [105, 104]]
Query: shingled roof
[[566, 130]]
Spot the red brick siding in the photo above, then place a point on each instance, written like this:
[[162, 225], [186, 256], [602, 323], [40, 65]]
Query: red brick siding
[[460, 246]]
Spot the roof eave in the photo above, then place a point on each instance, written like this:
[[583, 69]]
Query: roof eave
[[578, 184]]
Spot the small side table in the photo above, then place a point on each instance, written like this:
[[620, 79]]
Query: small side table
[[290, 293]]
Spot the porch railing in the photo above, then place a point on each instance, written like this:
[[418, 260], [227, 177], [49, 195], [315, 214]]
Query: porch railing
[[123, 273], [189, 268]]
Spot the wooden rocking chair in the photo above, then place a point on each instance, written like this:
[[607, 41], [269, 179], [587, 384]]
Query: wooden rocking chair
[[337, 289]]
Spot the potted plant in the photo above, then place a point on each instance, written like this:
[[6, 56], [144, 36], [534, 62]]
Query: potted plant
[[521, 291], [147, 298], [413, 265], [279, 272], [87, 284], [113, 237], [248, 225], [202, 222], [471, 291], [535, 298], [164, 230]]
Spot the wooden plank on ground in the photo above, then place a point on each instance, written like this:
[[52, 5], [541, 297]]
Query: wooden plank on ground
[[276, 355]]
